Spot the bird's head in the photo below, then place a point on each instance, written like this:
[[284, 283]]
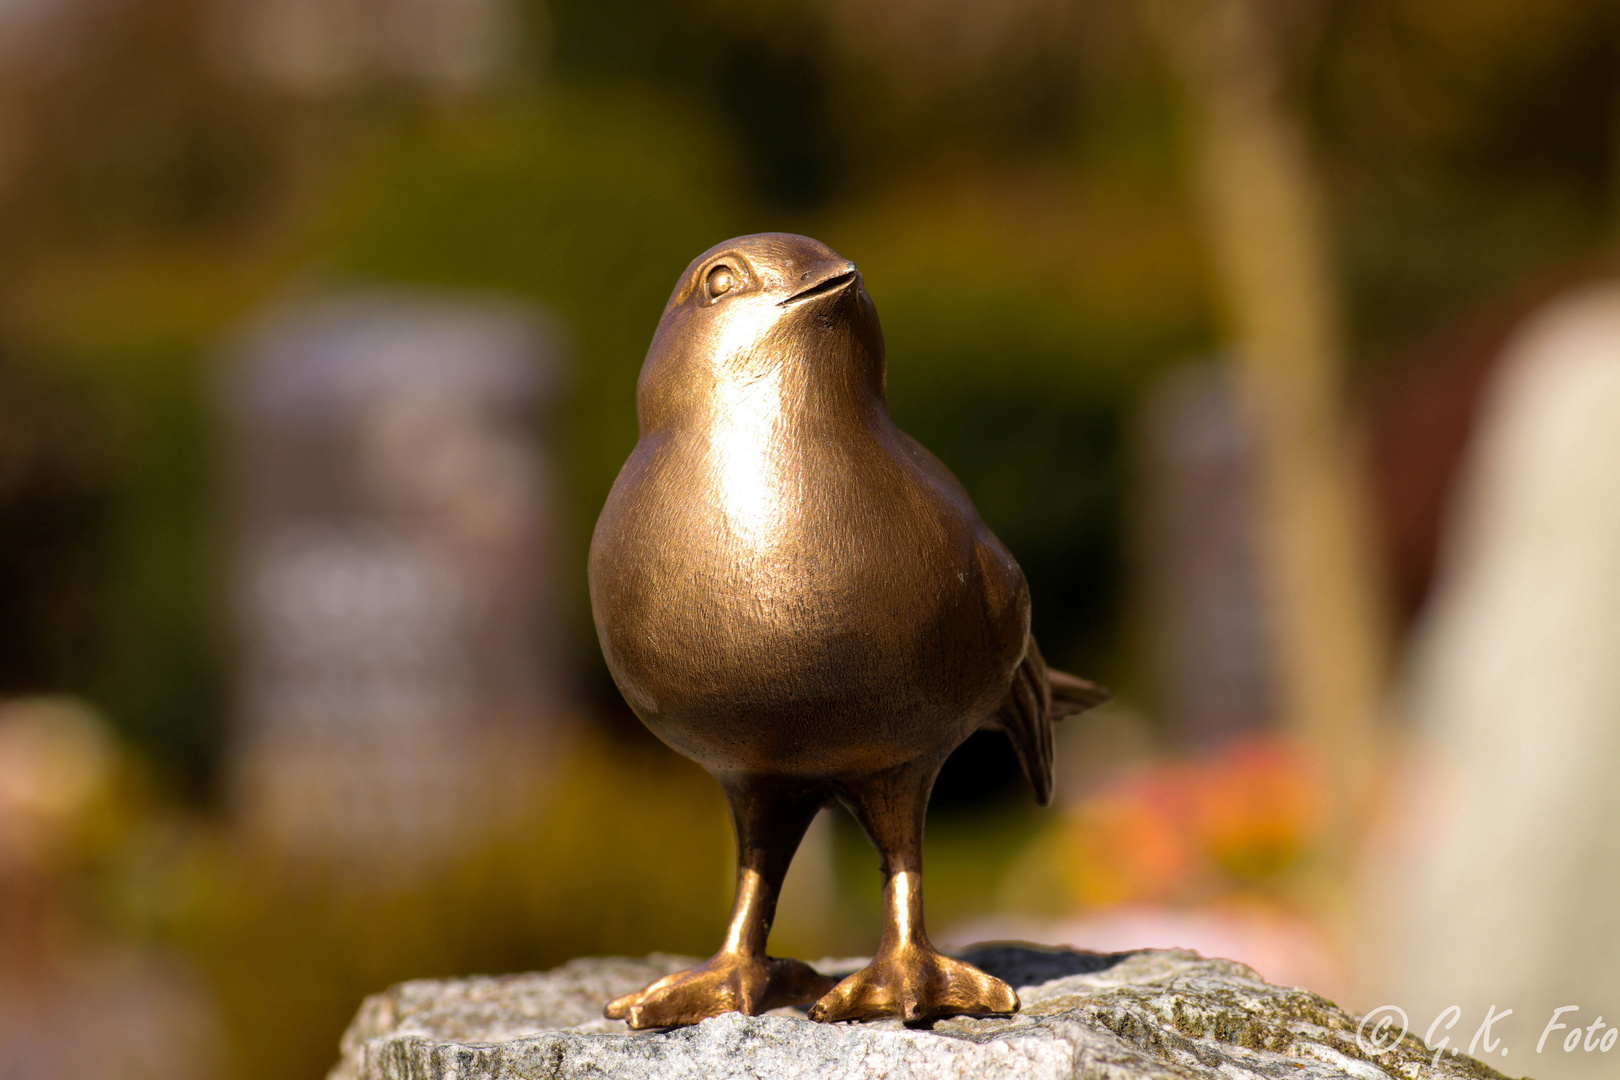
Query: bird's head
[[769, 304]]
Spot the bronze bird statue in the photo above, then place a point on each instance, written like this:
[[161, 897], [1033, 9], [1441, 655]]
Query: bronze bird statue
[[795, 594]]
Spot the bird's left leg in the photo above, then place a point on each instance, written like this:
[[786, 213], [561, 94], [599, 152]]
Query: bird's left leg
[[908, 977], [770, 817]]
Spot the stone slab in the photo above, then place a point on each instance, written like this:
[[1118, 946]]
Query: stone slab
[[1159, 1014]]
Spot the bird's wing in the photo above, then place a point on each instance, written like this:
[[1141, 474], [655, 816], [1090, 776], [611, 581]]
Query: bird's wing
[[1037, 697]]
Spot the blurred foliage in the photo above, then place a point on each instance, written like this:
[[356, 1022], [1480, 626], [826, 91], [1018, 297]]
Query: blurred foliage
[[53, 500], [1467, 146]]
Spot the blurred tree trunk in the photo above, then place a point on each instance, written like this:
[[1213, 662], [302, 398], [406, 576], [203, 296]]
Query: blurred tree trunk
[[1271, 261]]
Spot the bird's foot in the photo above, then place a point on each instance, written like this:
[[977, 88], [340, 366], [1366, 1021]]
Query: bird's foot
[[724, 983], [915, 983]]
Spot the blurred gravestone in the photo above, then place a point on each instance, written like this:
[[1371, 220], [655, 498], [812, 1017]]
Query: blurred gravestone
[[396, 611], [1200, 557]]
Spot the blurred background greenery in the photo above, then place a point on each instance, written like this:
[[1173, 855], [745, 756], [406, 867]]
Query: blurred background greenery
[[1033, 192]]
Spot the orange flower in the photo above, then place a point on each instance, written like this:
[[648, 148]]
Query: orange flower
[[1256, 809], [1130, 843], [1181, 831]]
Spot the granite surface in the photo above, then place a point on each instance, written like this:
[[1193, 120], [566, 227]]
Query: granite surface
[[1159, 1013]]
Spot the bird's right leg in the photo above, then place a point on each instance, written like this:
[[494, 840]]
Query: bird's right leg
[[908, 978], [770, 819]]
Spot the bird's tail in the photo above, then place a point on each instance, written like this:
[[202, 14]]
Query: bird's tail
[[1038, 697], [1072, 694]]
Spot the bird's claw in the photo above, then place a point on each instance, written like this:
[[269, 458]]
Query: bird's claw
[[724, 983], [915, 983]]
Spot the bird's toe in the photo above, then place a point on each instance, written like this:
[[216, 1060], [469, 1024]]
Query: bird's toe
[[619, 1008], [724, 983], [915, 984]]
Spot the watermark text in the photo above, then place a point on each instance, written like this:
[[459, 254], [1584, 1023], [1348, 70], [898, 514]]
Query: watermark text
[[1382, 1030]]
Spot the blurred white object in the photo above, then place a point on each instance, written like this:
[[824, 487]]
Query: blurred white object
[[1504, 887]]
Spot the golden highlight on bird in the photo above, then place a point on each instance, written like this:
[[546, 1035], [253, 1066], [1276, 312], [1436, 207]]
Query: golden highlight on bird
[[798, 596]]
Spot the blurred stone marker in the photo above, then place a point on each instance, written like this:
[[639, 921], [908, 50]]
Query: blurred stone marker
[[1213, 659], [396, 610]]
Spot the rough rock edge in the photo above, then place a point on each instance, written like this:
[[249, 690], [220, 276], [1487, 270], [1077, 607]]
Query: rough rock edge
[[1160, 1014]]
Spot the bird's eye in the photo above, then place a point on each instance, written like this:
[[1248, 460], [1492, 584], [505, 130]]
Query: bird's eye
[[720, 281]]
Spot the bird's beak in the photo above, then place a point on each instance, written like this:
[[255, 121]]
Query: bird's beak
[[823, 280]]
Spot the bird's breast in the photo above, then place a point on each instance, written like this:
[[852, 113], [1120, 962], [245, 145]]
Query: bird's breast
[[746, 533], [774, 586], [750, 456]]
